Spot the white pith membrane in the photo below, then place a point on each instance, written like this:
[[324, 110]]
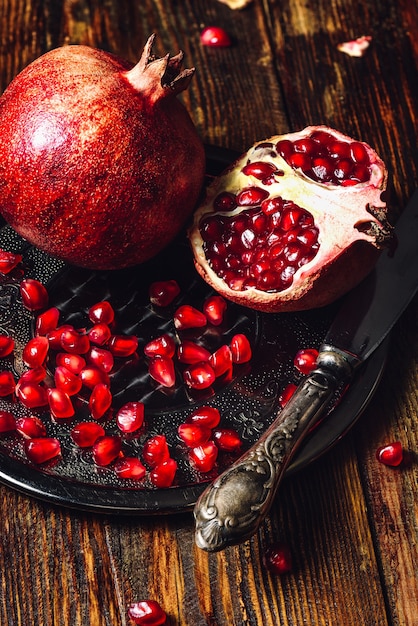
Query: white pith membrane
[[350, 220]]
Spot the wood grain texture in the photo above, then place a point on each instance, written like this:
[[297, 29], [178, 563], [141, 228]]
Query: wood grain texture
[[350, 522]]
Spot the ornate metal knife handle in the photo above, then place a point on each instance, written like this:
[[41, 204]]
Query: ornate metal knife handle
[[232, 508]]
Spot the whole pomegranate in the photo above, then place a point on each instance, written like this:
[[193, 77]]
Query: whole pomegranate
[[294, 223], [100, 163]]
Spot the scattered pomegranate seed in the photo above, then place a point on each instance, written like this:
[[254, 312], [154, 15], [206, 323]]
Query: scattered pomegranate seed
[[286, 394], [42, 449], [7, 345], [214, 308], [187, 316], [130, 467], [31, 395], [74, 342], [100, 401], [7, 383], [35, 375], [190, 352], [305, 360], [123, 345], [161, 369], [194, 434], [227, 439], [107, 449], [35, 351], [390, 454], [34, 294], [203, 457], [47, 321], [155, 450], [240, 349], [101, 313], [8, 261], [199, 375], [162, 293], [147, 613], [101, 358], [60, 403], [30, 427], [86, 434], [54, 336], [130, 417], [7, 422], [221, 361], [215, 37], [208, 416], [99, 334], [72, 362], [92, 376], [161, 346], [163, 474], [66, 381], [278, 559]]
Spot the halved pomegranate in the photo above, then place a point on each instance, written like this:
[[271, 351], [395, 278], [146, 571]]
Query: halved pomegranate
[[294, 223]]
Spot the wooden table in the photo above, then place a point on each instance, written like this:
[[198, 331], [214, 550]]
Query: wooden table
[[350, 522]]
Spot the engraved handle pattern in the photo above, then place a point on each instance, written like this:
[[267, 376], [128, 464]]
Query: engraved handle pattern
[[232, 508]]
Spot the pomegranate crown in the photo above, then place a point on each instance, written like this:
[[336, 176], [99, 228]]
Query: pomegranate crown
[[159, 77]]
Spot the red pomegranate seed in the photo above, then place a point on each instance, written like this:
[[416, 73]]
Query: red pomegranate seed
[[215, 37], [286, 394], [7, 383], [31, 395], [208, 416], [147, 613], [60, 403], [252, 196], [72, 362], [240, 349], [278, 559], [163, 474], [47, 321], [221, 361], [130, 417], [262, 170], [86, 434], [190, 352], [123, 345], [161, 369], [163, 292], [42, 449], [187, 316], [54, 336], [35, 351], [390, 454], [214, 308], [7, 345], [305, 360], [99, 334], [100, 401], [92, 376], [107, 449], [8, 261], [30, 427], [74, 342], [130, 467], [194, 434], [101, 313], [225, 201], [155, 450], [7, 422], [203, 457], [101, 358], [359, 153], [227, 439], [34, 294], [161, 346], [199, 375], [66, 381], [35, 375]]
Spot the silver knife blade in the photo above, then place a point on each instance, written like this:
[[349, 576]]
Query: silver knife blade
[[232, 508]]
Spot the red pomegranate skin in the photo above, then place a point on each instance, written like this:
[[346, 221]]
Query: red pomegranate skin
[[99, 165]]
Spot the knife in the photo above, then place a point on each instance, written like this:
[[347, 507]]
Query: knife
[[231, 509]]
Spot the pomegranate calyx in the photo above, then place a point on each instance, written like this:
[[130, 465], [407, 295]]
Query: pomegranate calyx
[[159, 77]]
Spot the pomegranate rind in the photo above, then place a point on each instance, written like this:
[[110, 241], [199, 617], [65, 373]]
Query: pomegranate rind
[[351, 219]]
